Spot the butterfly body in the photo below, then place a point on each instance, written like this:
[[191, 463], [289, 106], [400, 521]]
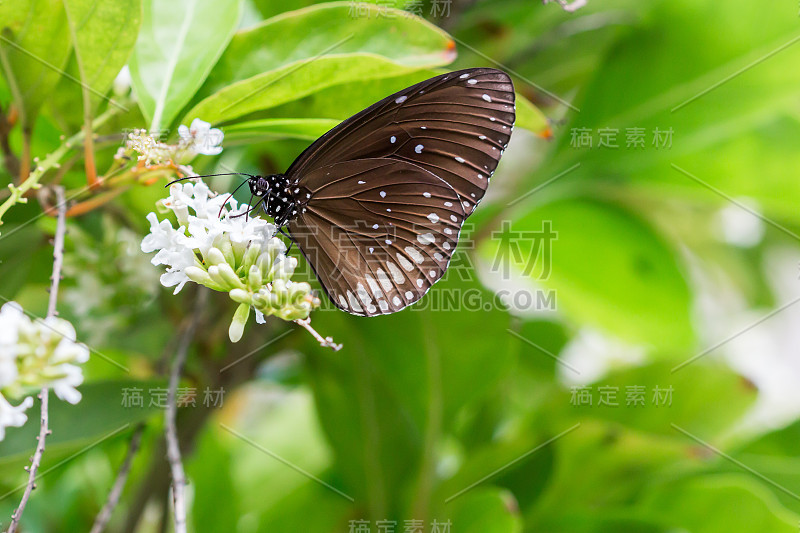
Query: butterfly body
[[276, 197], [376, 204]]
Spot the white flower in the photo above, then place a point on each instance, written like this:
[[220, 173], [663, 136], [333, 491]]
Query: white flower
[[235, 254], [35, 354], [201, 138], [172, 251], [11, 416]]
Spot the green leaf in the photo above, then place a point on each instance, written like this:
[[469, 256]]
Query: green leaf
[[609, 270], [704, 505], [730, 108], [598, 468], [291, 128], [344, 100], [285, 39], [290, 82], [531, 117], [178, 45], [400, 381], [100, 413], [103, 35], [279, 60], [682, 399], [485, 510], [34, 48]]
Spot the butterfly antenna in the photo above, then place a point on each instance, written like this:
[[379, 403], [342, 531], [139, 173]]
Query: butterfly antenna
[[209, 176], [229, 197]]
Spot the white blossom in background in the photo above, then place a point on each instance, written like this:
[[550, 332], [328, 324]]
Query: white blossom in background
[[199, 138], [36, 354], [240, 256]]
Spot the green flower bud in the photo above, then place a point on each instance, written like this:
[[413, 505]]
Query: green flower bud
[[236, 330]]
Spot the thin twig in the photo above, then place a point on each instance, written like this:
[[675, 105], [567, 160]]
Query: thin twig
[[325, 342], [10, 159], [171, 430], [52, 160], [58, 259], [104, 515]]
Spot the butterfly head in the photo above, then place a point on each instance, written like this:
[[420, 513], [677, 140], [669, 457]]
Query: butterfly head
[[274, 195]]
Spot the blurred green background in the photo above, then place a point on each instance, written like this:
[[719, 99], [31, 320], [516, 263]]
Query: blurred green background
[[637, 373]]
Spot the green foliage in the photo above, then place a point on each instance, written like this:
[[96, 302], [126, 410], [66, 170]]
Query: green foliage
[[35, 46], [464, 407], [91, 23], [171, 61]]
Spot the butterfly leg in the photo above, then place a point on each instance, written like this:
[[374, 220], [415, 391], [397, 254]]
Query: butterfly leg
[[291, 241]]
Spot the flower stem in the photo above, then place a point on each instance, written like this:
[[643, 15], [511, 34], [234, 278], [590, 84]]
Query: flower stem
[[51, 161], [58, 259], [171, 430], [104, 515]]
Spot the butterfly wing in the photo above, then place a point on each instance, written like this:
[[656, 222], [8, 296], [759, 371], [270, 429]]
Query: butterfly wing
[[455, 126], [377, 232]]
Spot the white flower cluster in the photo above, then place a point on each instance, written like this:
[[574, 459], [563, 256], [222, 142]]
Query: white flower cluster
[[233, 254], [33, 355], [199, 138]]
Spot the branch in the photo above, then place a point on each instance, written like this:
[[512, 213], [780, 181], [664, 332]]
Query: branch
[[50, 161], [58, 259], [325, 342], [10, 159], [171, 430], [104, 515]]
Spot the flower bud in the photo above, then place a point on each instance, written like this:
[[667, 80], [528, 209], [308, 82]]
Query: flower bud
[[240, 317], [240, 296]]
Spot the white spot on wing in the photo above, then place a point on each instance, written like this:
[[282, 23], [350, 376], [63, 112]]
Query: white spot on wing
[[426, 238], [343, 302], [472, 82], [404, 262], [409, 295], [397, 275], [354, 303], [392, 139], [401, 99], [396, 300], [434, 218], [426, 194], [419, 282], [418, 148], [460, 159], [384, 280], [373, 286], [415, 254], [383, 194], [487, 97]]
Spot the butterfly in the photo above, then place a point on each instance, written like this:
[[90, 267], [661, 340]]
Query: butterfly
[[377, 203]]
